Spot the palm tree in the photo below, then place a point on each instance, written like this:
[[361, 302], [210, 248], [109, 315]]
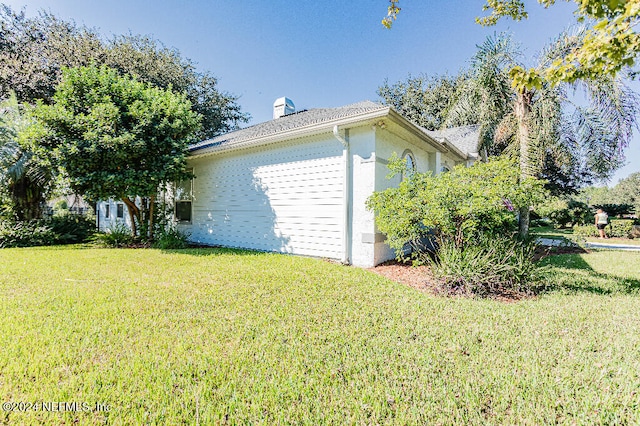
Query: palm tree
[[565, 141], [22, 178]]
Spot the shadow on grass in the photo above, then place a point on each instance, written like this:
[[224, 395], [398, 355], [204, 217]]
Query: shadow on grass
[[214, 251], [571, 273]]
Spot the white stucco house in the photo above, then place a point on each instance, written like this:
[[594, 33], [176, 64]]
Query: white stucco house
[[298, 183]]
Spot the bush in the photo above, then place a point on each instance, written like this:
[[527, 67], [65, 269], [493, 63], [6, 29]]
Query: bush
[[615, 210], [171, 238], [116, 236], [72, 228], [453, 206], [489, 266], [564, 212], [620, 228], [586, 231], [26, 234], [617, 228]]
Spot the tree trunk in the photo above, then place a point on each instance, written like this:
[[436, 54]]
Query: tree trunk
[[152, 202], [27, 199], [134, 214], [523, 116]]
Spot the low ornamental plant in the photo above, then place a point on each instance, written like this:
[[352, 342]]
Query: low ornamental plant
[[26, 234], [118, 235], [466, 212], [171, 238], [491, 265]]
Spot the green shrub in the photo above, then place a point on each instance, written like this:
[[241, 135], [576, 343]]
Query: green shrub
[[617, 228], [564, 212], [620, 228], [72, 228], [26, 234], [489, 266], [615, 210], [115, 236], [452, 206], [586, 231], [171, 238]]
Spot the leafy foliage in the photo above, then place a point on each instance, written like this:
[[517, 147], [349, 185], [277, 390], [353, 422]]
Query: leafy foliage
[[25, 177], [628, 191], [608, 47], [424, 100], [34, 51], [116, 236], [617, 228], [65, 228], [171, 238], [71, 228], [117, 137], [565, 211], [454, 206], [26, 234], [490, 265], [614, 210]]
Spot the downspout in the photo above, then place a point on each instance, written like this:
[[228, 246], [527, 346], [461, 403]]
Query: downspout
[[346, 199]]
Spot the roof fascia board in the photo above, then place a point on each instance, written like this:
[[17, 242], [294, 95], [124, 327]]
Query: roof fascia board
[[442, 147], [296, 133]]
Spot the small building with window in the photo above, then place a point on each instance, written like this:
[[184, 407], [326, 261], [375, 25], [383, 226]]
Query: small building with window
[[111, 213]]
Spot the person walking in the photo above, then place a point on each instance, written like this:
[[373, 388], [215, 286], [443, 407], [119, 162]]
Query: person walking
[[602, 219]]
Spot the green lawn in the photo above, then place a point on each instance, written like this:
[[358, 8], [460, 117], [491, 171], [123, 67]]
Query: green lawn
[[219, 336], [551, 232]]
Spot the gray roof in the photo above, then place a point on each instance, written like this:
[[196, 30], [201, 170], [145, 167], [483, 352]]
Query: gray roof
[[289, 122], [465, 138]]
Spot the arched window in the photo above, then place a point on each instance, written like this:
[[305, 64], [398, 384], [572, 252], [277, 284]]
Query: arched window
[[407, 155]]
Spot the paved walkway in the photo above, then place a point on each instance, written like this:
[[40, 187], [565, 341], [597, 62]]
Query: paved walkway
[[588, 244], [612, 246]]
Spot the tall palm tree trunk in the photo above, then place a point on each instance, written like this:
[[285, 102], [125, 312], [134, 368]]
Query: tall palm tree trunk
[[522, 111]]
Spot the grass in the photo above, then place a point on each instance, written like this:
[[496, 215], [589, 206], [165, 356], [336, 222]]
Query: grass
[[214, 336], [551, 232]]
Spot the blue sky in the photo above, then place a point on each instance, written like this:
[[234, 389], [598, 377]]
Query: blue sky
[[318, 53]]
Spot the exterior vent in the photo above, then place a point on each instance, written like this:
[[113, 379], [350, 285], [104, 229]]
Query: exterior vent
[[283, 106]]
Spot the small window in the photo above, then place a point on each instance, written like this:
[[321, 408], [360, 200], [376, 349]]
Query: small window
[[445, 169], [120, 210], [183, 200], [410, 163], [107, 210]]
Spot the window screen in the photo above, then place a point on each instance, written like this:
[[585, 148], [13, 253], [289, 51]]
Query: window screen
[[183, 200]]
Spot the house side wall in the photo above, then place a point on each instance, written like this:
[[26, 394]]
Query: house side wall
[[285, 198], [363, 168], [105, 223], [426, 159]]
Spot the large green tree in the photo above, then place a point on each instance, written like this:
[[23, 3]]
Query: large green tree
[[610, 45], [627, 191], [117, 137], [33, 52], [424, 99], [540, 124]]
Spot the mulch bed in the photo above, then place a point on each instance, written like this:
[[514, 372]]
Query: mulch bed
[[421, 278], [418, 277]]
